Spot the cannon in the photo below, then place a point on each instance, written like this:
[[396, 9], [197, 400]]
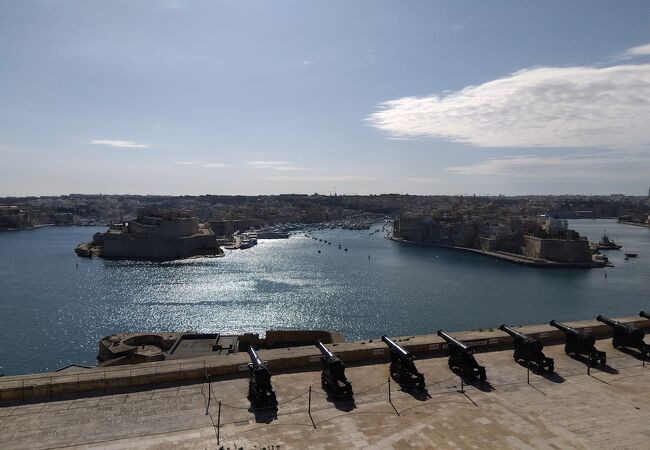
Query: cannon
[[461, 359], [529, 350], [580, 343], [644, 314], [402, 366], [259, 383], [332, 376], [626, 336]]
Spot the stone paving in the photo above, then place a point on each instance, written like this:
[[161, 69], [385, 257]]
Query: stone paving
[[610, 408]]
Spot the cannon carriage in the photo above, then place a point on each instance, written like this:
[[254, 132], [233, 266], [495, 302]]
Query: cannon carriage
[[529, 350], [461, 359], [333, 379], [402, 366], [580, 343], [626, 336]]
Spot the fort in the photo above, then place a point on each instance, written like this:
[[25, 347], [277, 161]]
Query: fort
[[202, 402], [530, 241], [154, 235]]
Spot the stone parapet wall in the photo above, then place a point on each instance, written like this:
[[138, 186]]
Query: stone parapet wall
[[307, 357]]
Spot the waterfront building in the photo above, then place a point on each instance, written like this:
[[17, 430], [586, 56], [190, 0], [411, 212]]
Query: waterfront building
[[13, 217]]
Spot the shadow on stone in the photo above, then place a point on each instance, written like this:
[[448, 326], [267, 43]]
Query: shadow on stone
[[631, 352], [601, 367], [265, 414], [483, 386], [553, 377], [342, 404], [416, 393]]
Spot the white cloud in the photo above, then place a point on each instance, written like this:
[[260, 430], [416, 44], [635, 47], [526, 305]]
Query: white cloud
[[287, 168], [214, 164], [274, 165], [186, 163], [584, 107], [641, 50], [600, 165], [117, 143], [266, 164]]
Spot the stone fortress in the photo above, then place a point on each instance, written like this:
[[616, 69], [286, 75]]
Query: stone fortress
[[154, 235], [535, 241]]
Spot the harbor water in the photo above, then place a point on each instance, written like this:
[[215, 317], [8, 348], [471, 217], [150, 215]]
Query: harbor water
[[55, 306]]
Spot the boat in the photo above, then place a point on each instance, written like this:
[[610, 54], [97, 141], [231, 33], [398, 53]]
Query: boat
[[631, 255], [247, 240], [607, 244]]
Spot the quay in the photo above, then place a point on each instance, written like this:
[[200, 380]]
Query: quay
[[509, 257], [201, 403]]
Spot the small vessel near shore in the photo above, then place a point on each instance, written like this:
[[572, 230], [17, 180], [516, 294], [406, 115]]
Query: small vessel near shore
[[247, 241], [631, 255], [607, 244]]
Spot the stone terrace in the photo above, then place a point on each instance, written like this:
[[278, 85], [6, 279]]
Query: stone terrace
[[610, 408]]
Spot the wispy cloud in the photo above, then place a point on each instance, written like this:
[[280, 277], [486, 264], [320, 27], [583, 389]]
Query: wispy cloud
[[266, 164], [601, 165], [288, 168], [274, 165], [117, 143], [579, 107], [641, 50], [201, 164]]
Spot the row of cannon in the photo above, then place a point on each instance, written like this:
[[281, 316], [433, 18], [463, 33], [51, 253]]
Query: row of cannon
[[461, 359]]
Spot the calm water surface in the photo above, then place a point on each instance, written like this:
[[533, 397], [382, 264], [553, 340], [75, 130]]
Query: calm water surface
[[52, 313]]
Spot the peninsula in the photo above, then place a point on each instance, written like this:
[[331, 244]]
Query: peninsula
[[539, 241]]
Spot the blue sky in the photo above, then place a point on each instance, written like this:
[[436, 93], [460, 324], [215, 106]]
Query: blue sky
[[193, 97]]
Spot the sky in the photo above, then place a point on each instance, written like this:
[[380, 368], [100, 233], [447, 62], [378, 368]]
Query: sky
[[257, 97]]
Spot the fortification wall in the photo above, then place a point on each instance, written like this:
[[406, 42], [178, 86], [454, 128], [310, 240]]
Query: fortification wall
[[121, 246], [560, 250]]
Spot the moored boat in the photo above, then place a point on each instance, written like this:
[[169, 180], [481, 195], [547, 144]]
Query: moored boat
[[607, 244]]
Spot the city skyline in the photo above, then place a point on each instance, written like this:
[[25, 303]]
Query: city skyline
[[182, 97]]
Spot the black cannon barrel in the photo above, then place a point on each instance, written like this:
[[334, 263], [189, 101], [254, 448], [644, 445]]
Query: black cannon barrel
[[254, 358], [393, 346], [324, 350], [561, 326], [610, 322], [452, 341], [512, 332], [644, 314]]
